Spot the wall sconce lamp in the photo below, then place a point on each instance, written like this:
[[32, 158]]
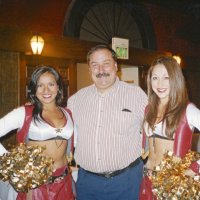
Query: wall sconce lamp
[[37, 44], [178, 59]]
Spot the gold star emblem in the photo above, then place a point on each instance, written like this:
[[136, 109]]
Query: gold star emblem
[[58, 130]]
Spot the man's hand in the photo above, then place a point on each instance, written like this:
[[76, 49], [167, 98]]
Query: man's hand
[[28, 103]]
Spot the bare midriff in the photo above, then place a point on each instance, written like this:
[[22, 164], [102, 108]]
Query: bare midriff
[[56, 149], [158, 148]]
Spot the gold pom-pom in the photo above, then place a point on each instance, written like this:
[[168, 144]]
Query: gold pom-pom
[[25, 167], [170, 180]]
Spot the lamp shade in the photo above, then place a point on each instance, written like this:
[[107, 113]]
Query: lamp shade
[[178, 59], [37, 44]]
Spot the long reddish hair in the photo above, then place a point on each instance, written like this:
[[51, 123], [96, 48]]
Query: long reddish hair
[[178, 96]]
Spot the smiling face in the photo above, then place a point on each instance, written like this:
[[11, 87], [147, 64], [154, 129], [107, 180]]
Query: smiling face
[[103, 69], [47, 88], [160, 82]]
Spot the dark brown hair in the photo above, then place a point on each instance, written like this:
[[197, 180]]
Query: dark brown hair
[[32, 88], [101, 47]]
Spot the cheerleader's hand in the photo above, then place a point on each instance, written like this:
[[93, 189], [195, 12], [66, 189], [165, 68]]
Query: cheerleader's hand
[[2, 150], [144, 154], [176, 159], [190, 173], [195, 167]]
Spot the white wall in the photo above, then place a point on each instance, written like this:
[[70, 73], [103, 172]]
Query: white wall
[[130, 74]]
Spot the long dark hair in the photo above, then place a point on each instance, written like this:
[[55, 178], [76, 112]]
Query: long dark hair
[[32, 89]]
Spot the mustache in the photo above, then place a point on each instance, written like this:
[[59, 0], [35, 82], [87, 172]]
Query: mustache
[[99, 75]]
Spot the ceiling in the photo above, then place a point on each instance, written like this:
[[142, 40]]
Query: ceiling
[[190, 31]]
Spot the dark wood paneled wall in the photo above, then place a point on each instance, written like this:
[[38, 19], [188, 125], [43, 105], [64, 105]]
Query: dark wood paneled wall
[[9, 79], [9, 87]]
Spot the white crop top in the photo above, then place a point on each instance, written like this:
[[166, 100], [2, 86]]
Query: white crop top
[[193, 118], [39, 131]]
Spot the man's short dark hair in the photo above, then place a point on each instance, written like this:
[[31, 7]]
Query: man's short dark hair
[[100, 47]]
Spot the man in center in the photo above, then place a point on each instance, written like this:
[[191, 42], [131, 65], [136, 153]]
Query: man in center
[[108, 116]]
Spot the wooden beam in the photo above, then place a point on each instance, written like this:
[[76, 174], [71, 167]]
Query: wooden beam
[[70, 48], [55, 46]]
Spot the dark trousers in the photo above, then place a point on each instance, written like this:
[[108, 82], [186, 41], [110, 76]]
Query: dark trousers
[[124, 186]]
